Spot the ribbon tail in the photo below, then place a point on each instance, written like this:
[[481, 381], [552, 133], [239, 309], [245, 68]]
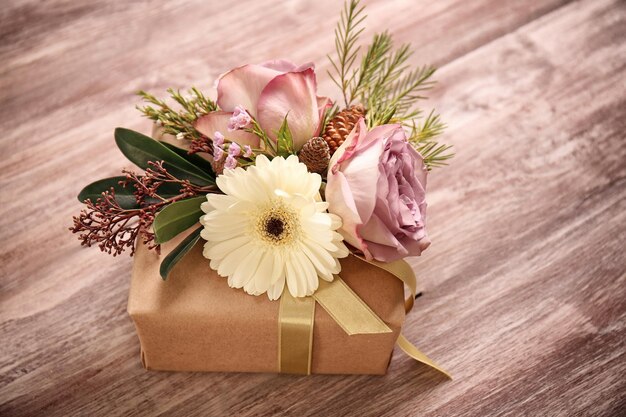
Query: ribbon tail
[[410, 349], [404, 272], [295, 334]]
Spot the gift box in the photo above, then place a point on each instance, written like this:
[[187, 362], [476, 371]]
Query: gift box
[[307, 207], [194, 321]]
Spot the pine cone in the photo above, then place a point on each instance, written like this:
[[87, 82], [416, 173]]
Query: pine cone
[[315, 155], [341, 125]]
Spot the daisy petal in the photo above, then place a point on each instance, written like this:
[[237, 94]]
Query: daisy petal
[[246, 268], [276, 290], [294, 284], [263, 275]]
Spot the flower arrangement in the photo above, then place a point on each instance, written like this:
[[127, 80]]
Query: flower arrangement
[[283, 183]]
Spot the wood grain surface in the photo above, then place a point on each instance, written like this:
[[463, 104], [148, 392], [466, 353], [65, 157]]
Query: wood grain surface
[[525, 282]]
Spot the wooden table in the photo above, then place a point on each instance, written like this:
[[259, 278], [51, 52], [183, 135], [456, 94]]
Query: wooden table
[[525, 290]]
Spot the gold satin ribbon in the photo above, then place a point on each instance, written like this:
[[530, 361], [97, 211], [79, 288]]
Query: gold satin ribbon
[[295, 334], [403, 271], [410, 349], [348, 309], [296, 317]]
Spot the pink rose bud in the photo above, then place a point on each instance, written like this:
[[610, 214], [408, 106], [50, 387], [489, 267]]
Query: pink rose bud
[[247, 151], [377, 185], [231, 162], [234, 149], [239, 119], [270, 91], [218, 139]]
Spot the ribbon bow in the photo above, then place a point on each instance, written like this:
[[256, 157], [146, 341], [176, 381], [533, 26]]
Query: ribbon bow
[[296, 319]]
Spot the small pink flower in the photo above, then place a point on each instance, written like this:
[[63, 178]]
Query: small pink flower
[[218, 153], [247, 151], [239, 119], [234, 149], [218, 138], [231, 162]]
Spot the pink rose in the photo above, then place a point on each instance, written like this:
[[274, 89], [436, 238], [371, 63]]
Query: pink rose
[[376, 184], [268, 92]]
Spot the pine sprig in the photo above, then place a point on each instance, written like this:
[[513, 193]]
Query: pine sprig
[[385, 84], [178, 122], [347, 32], [371, 67], [407, 91], [393, 96], [392, 69], [431, 127], [434, 154]]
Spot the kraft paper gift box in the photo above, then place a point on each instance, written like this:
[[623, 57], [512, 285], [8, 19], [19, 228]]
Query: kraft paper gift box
[[194, 321]]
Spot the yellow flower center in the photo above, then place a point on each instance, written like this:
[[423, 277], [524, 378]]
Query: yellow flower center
[[277, 224]]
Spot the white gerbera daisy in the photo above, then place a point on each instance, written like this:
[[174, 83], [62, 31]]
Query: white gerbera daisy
[[271, 227]]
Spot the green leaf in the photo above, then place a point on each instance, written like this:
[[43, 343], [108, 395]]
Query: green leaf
[[176, 218], [179, 252], [140, 149], [285, 139], [166, 190], [197, 160], [123, 195]]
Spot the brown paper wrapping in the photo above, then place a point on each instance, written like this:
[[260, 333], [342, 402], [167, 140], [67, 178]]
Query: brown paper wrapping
[[195, 322]]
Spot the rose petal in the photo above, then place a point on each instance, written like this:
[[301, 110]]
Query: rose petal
[[341, 202], [243, 86], [292, 95], [376, 231], [384, 253], [323, 105], [284, 65], [362, 169], [421, 172], [218, 121]]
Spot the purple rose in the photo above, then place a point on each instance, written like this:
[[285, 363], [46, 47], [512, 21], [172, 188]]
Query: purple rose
[[376, 184]]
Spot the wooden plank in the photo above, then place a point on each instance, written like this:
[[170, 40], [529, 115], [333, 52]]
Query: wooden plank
[[525, 291]]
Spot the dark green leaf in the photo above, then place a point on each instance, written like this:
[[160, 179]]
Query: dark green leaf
[[176, 218], [140, 149], [123, 195], [197, 160], [179, 252], [168, 190], [285, 139]]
